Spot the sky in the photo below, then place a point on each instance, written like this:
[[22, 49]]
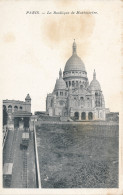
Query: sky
[[35, 46]]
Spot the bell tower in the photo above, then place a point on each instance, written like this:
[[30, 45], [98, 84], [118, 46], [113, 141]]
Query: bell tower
[[28, 103]]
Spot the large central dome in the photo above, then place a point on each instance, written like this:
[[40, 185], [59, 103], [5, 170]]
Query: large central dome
[[74, 62]]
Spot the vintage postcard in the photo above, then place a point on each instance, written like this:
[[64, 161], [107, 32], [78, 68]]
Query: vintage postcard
[[61, 97]]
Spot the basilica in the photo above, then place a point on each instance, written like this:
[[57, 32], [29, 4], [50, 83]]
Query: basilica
[[73, 96]]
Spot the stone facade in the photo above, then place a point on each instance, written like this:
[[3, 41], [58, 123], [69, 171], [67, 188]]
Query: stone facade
[[16, 105], [73, 96], [19, 112]]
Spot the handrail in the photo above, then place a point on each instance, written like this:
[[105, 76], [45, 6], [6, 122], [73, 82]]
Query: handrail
[[36, 159]]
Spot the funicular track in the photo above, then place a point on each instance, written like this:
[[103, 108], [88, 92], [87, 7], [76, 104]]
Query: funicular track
[[10, 155], [24, 173], [25, 150], [13, 147], [21, 152]]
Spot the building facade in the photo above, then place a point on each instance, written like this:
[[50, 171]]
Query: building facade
[[19, 112], [16, 105], [73, 96]]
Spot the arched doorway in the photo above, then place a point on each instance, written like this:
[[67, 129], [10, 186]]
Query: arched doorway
[[90, 116], [76, 115], [83, 116]]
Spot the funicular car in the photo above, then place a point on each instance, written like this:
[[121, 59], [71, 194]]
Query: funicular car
[[25, 140], [7, 174]]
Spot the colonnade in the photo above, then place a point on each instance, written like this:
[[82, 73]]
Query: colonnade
[[74, 83], [84, 115]]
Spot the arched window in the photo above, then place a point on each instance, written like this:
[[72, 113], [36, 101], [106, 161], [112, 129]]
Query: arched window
[[77, 83], [96, 94], [15, 108], [21, 108], [81, 86], [51, 102], [81, 98], [98, 103], [61, 103], [57, 93], [73, 83], [9, 108], [98, 99]]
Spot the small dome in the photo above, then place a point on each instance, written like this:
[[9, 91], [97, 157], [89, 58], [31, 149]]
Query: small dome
[[28, 97], [74, 62], [60, 84], [95, 85]]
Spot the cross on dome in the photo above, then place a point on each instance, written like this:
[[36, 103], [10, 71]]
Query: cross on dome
[[74, 47], [74, 63], [60, 73], [94, 74]]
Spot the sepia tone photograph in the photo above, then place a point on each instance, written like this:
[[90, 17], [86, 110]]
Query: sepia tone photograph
[[61, 92]]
